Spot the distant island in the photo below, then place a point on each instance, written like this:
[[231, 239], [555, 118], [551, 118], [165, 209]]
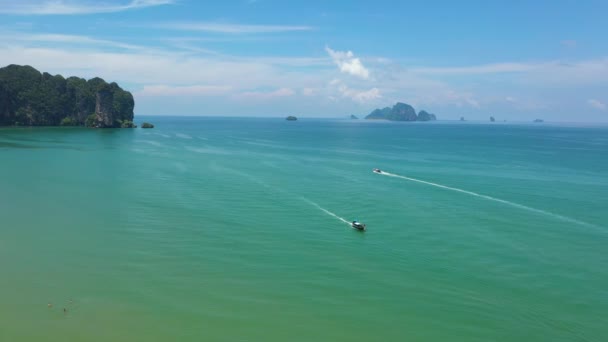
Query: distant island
[[353, 117], [291, 118], [400, 112], [31, 98], [492, 119], [539, 120]]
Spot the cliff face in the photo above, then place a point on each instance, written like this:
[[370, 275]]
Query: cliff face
[[31, 98], [423, 115], [104, 115], [400, 112], [378, 114]]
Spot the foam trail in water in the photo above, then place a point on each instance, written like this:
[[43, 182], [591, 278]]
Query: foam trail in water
[[285, 192], [183, 136], [490, 198], [324, 210]]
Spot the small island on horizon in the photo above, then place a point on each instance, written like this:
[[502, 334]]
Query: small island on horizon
[[400, 112], [31, 98], [291, 118]]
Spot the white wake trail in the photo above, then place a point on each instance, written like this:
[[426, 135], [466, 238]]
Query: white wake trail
[[325, 210], [490, 198], [244, 175]]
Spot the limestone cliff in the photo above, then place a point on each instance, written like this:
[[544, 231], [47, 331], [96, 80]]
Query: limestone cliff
[[400, 112], [31, 98]]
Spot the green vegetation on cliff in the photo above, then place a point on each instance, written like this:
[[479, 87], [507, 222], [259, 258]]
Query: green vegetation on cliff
[[400, 112], [31, 98]]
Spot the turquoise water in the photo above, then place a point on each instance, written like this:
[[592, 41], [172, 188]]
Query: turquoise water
[[213, 229]]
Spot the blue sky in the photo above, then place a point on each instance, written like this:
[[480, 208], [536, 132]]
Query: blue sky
[[515, 60]]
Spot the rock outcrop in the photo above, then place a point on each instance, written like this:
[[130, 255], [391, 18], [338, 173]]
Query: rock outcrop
[[291, 118], [426, 116], [31, 98], [379, 114], [104, 115], [400, 112]]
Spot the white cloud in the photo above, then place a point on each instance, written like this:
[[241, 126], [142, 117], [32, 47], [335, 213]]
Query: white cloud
[[547, 74], [194, 90], [159, 69], [596, 104], [473, 103], [461, 99], [347, 63], [308, 91], [231, 28], [266, 95], [476, 69], [586, 72], [64, 38], [153, 67], [67, 7], [360, 96]]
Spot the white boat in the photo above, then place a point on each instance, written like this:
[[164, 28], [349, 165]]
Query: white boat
[[358, 225]]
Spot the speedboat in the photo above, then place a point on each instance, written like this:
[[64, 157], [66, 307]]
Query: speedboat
[[377, 171], [358, 225]]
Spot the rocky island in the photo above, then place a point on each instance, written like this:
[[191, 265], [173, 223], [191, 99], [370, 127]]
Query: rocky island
[[31, 98], [291, 118], [400, 112]]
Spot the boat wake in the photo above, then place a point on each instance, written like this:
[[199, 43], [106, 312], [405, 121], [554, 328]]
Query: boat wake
[[490, 198], [253, 179], [325, 210]]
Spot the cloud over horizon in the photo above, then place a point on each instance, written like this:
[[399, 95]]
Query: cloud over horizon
[[348, 63], [73, 7], [596, 104], [231, 28], [265, 95], [185, 71]]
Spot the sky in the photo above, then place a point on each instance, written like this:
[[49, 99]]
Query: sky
[[514, 60]]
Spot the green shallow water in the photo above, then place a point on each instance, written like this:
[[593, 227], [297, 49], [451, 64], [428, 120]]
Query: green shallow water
[[209, 229]]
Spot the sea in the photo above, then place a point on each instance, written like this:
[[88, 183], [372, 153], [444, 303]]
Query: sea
[[238, 229]]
